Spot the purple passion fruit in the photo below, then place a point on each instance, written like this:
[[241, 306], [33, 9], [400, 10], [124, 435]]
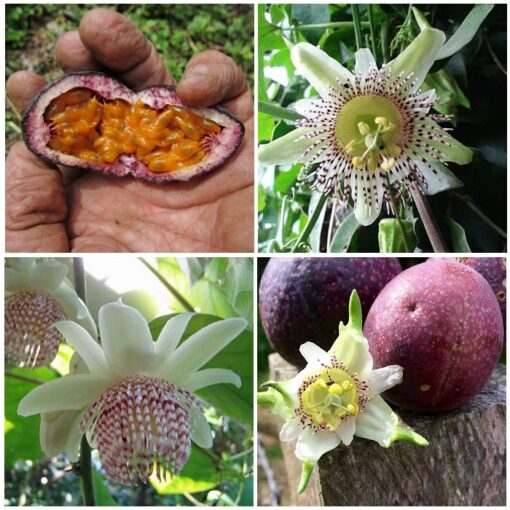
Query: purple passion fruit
[[441, 322], [304, 299], [92, 121]]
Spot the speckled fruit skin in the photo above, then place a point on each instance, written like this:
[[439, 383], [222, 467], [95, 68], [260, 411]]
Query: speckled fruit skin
[[36, 132], [304, 299], [493, 269], [441, 322]]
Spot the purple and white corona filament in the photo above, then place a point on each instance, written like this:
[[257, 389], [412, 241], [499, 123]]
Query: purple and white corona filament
[[371, 129]]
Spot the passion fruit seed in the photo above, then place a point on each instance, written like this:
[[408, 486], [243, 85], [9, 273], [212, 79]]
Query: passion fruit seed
[[98, 131]]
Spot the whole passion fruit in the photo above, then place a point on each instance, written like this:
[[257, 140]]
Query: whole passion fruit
[[91, 120], [304, 299], [441, 322]]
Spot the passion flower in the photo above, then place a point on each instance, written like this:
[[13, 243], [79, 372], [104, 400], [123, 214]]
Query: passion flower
[[91, 120], [38, 294], [336, 396], [136, 401], [370, 129]]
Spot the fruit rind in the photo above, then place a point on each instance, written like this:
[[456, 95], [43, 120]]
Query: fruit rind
[[36, 131]]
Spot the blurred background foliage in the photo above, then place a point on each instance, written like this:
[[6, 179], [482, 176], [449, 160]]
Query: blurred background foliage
[[472, 88], [214, 288], [177, 31]]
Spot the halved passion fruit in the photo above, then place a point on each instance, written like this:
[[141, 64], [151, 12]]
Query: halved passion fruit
[[91, 120]]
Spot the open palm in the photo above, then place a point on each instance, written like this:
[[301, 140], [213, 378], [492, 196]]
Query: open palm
[[54, 210]]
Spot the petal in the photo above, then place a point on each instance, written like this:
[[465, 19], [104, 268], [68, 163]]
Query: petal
[[452, 149], [60, 433], [351, 348], [291, 430], [321, 71], [314, 355], [171, 334], [312, 445], [419, 56], [377, 422], [199, 348], [210, 377], [286, 149], [73, 439], [89, 350], [369, 196], [383, 379], [15, 280], [346, 431], [364, 61], [48, 275], [437, 176], [201, 433], [126, 339], [305, 107], [64, 393]]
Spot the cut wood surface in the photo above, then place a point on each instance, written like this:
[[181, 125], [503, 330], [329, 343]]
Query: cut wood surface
[[465, 463]]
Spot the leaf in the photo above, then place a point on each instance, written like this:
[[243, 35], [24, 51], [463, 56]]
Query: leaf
[[308, 14], [315, 234], [22, 433], [343, 235], [199, 474], [467, 30], [192, 267], [238, 286], [237, 356], [391, 239], [458, 237], [101, 492], [208, 298], [265, 126]]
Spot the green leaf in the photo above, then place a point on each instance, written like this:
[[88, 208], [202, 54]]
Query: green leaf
[[216, 268], [265, 126], [192, 267], [308, 14], [391, 239], [101, 492], [210, 299], [467, 30], [343, 235], [22, 434], [458, 237], [238, 286], [237, 356], [199, 474]]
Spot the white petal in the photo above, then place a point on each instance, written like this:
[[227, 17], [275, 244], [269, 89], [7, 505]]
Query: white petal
[[89, 350], [73, 440], [291, 430], [48, 275], [60, 433], [364, 61], [369, 196], [210, 377], [377, 422], [64, 393], [346, 431], [200, 430], [126, 339], [305, 106], [440, 180], [314, 355], [16, 280], [383, 379], [312, 445], [199, 348], [171, 334], [351, 349], [321, 71], [286, 149]]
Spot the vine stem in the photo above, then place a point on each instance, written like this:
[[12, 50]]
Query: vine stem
[[177, 295], [310, 223], [357, 25], [278, 111], [332, 24], [24, 378], [372, 30], [85, 452], [428, 220], [397, 216]]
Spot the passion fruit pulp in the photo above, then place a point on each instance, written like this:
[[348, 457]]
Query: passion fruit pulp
[[91, 120]]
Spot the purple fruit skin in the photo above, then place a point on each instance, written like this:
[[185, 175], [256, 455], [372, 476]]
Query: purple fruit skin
[[493, 269], [304, 299], [36, 132], [441, 322]]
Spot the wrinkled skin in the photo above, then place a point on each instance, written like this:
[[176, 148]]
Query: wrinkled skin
[[60, 210]]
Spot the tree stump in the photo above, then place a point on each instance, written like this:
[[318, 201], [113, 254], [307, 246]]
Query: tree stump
[[464, 464]]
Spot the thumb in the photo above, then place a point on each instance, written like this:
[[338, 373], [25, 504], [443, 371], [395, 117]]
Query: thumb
[[211, 77]]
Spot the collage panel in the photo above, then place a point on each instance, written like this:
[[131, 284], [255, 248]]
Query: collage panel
[[147, 112], [128, 381], [382, 381], [382, 128]]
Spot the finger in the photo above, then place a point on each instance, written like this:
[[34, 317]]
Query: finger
[[211, 77], [118, 44], [22, 86], [72, 55], [35, 204]]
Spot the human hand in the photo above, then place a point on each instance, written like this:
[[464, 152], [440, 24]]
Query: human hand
[[59, 210]]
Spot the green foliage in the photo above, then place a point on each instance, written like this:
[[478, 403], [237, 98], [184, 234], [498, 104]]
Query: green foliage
[[470, 82]]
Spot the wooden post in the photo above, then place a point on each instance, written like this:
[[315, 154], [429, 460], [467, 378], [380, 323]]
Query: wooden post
[[464, 464]]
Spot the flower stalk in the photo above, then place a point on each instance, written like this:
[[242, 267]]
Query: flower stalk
[[310, 223]]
